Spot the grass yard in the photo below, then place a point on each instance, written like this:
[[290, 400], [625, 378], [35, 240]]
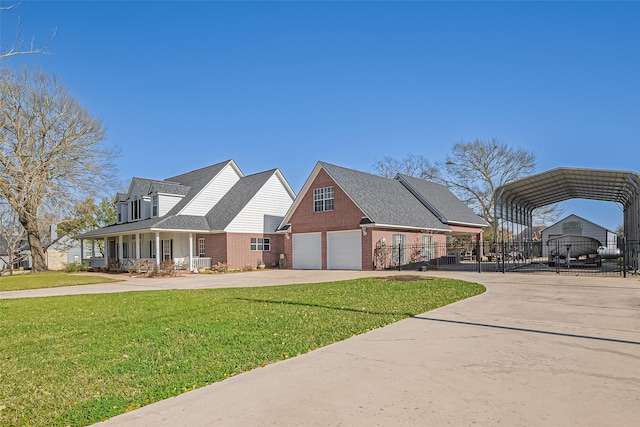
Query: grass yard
[[24, 281], [76, 360]]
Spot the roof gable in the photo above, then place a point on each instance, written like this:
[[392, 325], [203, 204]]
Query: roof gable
[[579, 218], [383, 201], [196, 181], [221, 215]]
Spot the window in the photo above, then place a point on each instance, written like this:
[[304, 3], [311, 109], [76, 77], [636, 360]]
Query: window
[[119, 213], [152, 249], [260, 244], [167, 246], [399, 242], [135, 207], [427, 248], [154, 202], [125, 250], [323, 199], [201, 247]]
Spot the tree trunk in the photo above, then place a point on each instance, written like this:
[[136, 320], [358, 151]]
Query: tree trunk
[[37, 252], [11, 258]]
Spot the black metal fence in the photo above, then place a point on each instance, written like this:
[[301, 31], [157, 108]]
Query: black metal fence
[[574, 256]]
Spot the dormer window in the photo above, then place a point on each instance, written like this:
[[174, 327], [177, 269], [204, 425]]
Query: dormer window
[[323, 199], [136, 208], [154, 204]]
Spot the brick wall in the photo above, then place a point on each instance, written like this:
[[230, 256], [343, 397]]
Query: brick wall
[[215, 247], [234, 249], [345, 216], [239, 251]]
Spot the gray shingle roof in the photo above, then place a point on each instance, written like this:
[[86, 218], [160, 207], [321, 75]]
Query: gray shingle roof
[[384, 201], [149, 186], [167, 187], [442, 202], [221, 215]]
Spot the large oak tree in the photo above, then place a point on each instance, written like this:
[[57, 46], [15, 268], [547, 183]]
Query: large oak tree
[[52, 152]]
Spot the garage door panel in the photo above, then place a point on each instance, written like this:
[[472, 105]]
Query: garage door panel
[[344, 250], [307, 251]]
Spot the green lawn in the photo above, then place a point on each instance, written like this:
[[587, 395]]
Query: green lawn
[[48, 280], [76, 360]]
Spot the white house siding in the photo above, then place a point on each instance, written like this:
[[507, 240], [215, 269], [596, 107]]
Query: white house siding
[[212, 192], [265, 211], [146, 207], [166, 202]]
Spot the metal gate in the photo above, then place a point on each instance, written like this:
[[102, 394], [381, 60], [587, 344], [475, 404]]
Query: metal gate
[[573, 257]]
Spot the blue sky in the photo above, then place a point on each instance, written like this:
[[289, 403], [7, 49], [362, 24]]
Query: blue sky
[[181, 85]]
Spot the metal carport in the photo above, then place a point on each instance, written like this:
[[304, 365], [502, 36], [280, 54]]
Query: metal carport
[[515, 202]]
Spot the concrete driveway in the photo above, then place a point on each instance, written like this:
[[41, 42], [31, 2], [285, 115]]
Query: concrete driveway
[[534, 350]]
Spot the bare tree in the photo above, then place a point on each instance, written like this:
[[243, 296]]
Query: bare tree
[[18, 48], [416, 166], [12, 239], [475, 169], [51, 152]]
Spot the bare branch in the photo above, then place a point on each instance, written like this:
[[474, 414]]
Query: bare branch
[[16, 48]]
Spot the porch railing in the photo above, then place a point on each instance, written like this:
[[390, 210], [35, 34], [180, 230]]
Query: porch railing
[[198, 262]]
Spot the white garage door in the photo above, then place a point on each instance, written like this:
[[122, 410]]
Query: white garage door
[[307, 251], [344, 250]]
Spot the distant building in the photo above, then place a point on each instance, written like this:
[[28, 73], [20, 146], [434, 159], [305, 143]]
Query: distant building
[[574, 225]]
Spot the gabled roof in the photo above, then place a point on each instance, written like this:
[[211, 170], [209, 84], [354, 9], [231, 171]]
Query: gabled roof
[[442, 202], [383, 201], [192, 183]]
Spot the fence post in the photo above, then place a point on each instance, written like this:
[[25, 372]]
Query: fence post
[[624, 257]]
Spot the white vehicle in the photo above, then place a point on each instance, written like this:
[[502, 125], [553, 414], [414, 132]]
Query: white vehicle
[[606, 252]]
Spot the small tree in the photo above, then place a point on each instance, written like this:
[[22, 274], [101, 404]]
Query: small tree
[[88, 216], [51, 152]]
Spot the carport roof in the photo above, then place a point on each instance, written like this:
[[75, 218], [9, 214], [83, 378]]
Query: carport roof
[[562, 184]]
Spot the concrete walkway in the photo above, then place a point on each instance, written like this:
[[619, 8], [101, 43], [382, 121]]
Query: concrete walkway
[[534, 350], [196, 281]]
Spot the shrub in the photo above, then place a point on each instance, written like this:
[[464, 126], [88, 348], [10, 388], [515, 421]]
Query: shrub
[[139, 266], [165, 269], [75, 267], [220, 267]]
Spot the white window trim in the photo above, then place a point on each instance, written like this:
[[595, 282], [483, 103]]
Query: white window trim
[[323, 196]]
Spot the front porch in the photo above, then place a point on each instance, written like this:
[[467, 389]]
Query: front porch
[[142, 251]]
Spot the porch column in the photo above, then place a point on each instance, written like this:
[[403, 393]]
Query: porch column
[[120, 248], [158, 248], [93, 248], [138, 236], [190, 251], [105, 248]]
